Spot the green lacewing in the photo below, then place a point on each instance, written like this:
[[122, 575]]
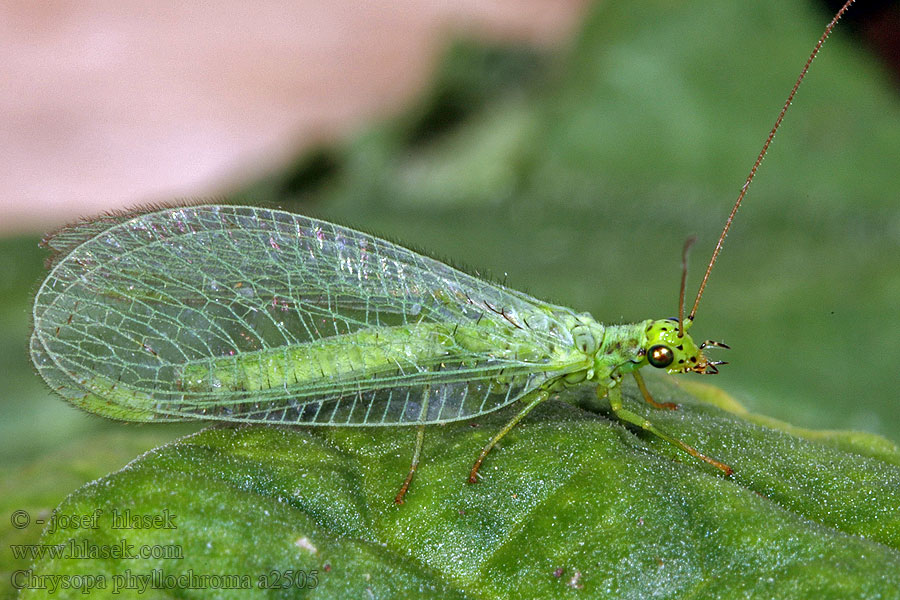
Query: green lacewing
[[254, 315]]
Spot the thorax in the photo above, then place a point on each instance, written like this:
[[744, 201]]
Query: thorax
[[608, 349]]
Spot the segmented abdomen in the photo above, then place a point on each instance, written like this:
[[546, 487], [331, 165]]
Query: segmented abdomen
[[361, 354]]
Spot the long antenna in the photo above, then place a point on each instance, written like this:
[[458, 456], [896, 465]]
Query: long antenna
[[762, 153], [684, 254]]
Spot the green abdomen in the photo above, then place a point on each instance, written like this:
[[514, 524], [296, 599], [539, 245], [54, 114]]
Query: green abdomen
[[359, 354]]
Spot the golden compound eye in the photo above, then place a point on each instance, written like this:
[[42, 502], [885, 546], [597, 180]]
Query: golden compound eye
[[660, 356]]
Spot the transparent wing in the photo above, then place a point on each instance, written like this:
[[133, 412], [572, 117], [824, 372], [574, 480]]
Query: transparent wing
[[252, 315]]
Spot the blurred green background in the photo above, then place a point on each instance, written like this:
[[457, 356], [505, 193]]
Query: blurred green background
[[576, 177]]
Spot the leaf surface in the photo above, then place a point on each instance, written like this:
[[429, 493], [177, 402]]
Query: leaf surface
[[570, 501]]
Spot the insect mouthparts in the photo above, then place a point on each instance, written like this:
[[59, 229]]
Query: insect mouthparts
[[714, 344]]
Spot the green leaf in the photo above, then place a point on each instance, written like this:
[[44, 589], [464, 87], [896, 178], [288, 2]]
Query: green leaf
[[571, 501]]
